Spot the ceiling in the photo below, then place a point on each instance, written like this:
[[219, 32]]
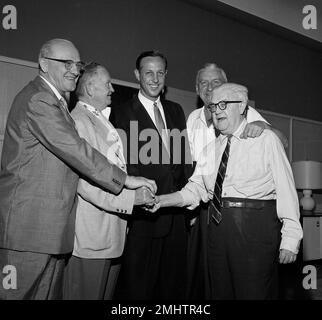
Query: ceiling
[[287, 14]]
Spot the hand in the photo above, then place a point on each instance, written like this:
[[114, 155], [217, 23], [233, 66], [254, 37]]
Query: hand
[[287, 256], [132, 182], [253, 129], [155, 207], [144, 196]]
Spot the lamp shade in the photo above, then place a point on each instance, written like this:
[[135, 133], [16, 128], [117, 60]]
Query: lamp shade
[[307, 174]]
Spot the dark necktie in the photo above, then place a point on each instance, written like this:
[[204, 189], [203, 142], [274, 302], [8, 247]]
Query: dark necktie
[[216, 203], [160, 124]]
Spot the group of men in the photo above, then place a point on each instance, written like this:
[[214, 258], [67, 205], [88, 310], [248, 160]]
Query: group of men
[[92, 202]]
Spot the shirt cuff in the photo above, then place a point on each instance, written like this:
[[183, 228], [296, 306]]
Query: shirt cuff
[[290, 244], [188, 199]]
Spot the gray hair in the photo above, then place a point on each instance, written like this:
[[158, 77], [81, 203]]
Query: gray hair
[[90, 71], [46, 48], [214, 67]]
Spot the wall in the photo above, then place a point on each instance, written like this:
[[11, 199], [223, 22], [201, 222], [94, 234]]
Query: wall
[[283, 76]]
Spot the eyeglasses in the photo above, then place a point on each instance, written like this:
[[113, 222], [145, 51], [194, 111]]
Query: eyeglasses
[[69, 63], [222, 105]]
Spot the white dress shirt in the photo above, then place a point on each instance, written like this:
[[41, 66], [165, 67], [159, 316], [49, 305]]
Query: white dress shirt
[[257, 169], [148, 105], [200, 134]]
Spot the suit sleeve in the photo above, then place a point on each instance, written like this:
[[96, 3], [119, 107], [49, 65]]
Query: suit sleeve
[[123, 202], [55, 130]]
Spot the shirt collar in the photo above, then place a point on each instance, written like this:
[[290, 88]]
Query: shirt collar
[[55, 91], [145, 101], [222, 138], [90, 108]]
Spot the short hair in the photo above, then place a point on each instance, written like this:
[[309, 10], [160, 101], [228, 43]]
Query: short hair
[[240, 90], [151, 53], [89, 72], [213, 66], [46, 48]]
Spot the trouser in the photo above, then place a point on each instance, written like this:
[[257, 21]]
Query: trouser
[[243, 253], [90, 279], [154, 268], [198, 285], [39, 276]]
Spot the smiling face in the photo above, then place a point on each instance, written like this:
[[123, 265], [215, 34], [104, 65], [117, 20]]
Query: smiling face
[[55, 72], [151, 77], [227, 121], [101, 89], [208, 79]]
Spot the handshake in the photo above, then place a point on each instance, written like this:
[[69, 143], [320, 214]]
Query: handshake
[[145, 190]]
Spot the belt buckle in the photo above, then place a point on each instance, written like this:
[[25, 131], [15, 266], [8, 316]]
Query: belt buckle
[[235, 204]]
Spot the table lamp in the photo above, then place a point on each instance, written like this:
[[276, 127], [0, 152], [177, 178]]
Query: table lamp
[[307, 176]]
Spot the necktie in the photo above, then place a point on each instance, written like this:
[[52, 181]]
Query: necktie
[[215, 205], [63, 103], [160, 125]]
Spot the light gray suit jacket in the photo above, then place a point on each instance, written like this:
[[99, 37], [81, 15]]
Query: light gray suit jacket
[[100, 228], [42, 158]]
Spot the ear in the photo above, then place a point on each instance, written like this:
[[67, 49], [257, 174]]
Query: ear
[[242, 107], [137, 74], [89, 89], [43, 63]]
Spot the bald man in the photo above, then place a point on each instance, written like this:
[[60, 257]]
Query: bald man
[[253, 205], [42, 158]]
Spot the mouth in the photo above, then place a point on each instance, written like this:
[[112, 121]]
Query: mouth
[[219, 119], [154, 86]]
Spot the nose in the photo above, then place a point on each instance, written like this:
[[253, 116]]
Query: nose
[[155, 78], [74, 70], [111, 88]]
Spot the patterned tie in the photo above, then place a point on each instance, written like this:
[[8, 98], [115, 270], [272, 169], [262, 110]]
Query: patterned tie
[[160, 125], [215, 205], [64, 104]]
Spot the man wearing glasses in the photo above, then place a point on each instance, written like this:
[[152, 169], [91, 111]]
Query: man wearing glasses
[[201, 131], [253, 217], [42, 158]]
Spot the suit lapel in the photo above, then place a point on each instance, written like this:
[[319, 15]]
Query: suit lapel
[[146, 122]]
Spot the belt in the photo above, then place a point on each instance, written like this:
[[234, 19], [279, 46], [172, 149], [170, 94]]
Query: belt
[[247, 203]]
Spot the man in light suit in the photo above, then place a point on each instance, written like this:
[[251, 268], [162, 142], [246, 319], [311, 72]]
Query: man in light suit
[[154, 259], [42, 158], [100, 229]]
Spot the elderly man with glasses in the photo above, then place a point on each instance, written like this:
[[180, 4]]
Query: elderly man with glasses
[[42, 158], [253, 217]]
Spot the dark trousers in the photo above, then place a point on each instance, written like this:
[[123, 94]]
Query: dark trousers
[[90, 279], [198, 283], [243, 253], [154, 268], [39, 275]]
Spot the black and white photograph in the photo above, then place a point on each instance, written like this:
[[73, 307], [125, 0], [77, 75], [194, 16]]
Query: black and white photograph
[[161, 157]]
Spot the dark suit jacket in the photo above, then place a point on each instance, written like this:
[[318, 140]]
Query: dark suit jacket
[[132, 118], [37, 182]]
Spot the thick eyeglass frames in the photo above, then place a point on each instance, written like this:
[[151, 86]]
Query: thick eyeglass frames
[[69, 63], [222, 105]]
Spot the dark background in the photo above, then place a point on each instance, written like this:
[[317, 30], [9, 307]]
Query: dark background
[[282, 71]]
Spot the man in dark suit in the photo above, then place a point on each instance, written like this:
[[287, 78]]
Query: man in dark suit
[[42, 159], [154, 260]]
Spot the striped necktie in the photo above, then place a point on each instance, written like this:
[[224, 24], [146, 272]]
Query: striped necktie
[[63, 103], [216, 202], [159, 123]]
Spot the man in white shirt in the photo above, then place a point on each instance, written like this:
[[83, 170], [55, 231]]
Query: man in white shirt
[[246, 239], [201, 131], [100, 228]]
